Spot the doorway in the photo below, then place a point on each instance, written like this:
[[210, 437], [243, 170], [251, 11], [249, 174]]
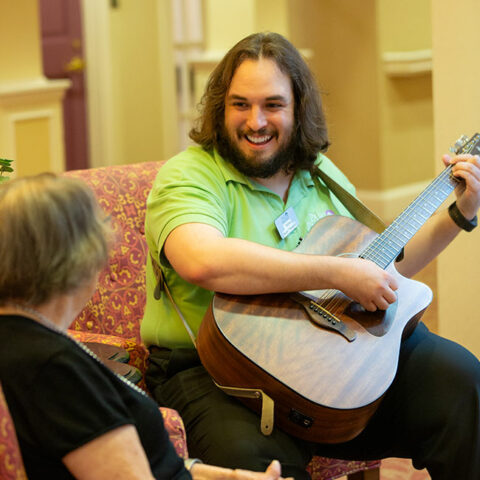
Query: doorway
[[63, 57]]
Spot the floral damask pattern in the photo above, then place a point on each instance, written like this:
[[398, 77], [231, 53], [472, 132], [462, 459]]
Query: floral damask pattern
[[176, 430], [11, 464], [118, 303], [322, 468]]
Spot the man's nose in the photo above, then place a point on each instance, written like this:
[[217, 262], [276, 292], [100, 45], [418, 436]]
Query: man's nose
[[256, 118]]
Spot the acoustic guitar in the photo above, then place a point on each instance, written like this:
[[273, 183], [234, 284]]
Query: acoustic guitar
[[324, 361]]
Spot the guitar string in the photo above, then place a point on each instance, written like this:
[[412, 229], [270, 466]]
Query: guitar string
[[448, 180], [330, 299], [376, 249]]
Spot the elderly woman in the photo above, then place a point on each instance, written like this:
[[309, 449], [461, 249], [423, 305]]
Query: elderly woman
[[74, 417]]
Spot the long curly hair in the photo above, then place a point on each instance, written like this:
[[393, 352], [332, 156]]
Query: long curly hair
[[310, 133]]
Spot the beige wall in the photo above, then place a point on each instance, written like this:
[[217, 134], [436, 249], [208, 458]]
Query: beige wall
[[31, 122], [143, 88], [272, 15], [20, 52], [380, 126], [342, 35], [457, 111], [227, 21], [406, 116]]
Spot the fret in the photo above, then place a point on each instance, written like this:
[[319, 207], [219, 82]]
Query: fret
[[386, 247]]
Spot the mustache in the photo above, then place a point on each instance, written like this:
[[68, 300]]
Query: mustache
[[261, 131]]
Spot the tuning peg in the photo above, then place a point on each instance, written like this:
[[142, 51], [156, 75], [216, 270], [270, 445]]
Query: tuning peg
[[461, 142]]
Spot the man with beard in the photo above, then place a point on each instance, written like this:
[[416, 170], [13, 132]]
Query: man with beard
[[225, 216]]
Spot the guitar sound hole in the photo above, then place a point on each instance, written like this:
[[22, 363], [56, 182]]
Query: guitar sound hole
[[377, 323]]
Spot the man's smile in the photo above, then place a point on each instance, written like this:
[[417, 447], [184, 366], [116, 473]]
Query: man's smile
[[259, 140]]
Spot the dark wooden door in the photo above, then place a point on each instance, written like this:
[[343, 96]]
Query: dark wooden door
[[62, 47]]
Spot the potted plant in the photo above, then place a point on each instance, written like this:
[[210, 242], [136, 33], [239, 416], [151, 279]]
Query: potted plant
[[5, 168]]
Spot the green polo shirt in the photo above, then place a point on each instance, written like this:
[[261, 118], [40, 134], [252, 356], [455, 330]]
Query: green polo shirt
[[197, 186]]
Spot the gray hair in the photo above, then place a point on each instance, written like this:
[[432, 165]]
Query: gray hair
[[53, 238]]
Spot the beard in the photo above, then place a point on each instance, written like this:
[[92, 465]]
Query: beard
[[283, 159]]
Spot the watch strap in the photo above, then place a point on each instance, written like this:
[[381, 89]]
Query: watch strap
[[190, 462], [457, 216]]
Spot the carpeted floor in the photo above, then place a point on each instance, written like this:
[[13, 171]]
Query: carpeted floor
[[399, 469]]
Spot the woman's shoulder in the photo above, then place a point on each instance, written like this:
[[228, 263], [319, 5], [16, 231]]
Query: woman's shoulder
[[26, 341]]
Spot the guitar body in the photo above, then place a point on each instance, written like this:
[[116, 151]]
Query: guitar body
[[325, 387]]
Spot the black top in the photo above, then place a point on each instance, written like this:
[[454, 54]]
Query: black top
[[60, 398]]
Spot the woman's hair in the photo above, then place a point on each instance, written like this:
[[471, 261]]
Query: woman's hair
[[310, 134], [53, 238]]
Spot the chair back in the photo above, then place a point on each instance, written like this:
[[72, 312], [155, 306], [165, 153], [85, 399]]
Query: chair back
[[117, 305], [11, 463]]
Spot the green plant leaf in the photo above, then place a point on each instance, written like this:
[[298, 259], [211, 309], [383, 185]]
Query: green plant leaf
[[3, 168]]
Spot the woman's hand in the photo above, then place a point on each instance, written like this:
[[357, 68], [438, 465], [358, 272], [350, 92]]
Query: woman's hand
[[201, 471]]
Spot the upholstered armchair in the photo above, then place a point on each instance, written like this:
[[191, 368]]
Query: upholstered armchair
[[113, 314]]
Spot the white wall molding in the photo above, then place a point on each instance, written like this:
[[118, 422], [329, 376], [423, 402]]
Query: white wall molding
[[404, 64], [54, 117], [34, 90], [98, 78], [35, 99]]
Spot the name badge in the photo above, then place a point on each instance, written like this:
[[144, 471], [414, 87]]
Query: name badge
[[286, 223]]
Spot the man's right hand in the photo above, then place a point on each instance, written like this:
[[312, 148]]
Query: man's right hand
[[366, 283]]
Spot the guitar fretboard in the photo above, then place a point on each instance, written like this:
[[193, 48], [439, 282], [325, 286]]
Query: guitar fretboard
[[387, 246]]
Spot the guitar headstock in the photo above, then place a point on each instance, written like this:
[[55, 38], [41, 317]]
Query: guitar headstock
[[467, 145]]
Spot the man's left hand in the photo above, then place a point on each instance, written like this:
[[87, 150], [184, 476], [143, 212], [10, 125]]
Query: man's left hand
[[467, 168]]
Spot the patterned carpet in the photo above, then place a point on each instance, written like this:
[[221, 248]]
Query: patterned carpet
[[401, 469]]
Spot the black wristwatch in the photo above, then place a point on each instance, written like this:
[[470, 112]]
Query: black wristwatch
[[457, 216]]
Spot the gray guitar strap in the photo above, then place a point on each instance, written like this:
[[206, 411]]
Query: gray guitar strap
[[359, 211]]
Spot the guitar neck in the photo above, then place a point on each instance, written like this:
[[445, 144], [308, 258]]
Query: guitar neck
[[388, 245]]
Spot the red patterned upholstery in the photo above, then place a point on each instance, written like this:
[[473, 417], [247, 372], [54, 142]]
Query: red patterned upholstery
[[113, 315], [322, 468], [11, 464], [117, 306], [176, 430]]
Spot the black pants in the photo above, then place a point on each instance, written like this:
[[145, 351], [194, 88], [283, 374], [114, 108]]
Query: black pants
[[429, 414]]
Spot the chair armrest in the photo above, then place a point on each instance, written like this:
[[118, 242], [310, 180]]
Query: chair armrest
[[176, 430], [138, 352]]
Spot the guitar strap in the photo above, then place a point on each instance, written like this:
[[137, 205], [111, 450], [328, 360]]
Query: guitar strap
[[268, 405], [359, 211]]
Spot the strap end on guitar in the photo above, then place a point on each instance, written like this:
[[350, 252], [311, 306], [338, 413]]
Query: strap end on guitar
[[268, 404]]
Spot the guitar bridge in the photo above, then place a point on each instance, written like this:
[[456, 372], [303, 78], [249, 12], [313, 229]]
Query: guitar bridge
[[323, 317]]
